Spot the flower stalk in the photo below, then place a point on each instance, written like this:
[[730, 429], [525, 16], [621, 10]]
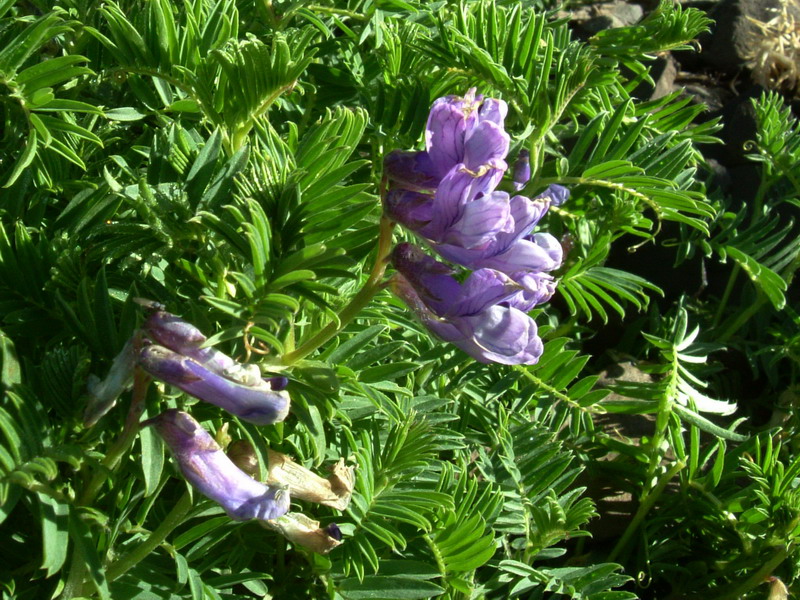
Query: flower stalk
[[372, 286], [174, 518]]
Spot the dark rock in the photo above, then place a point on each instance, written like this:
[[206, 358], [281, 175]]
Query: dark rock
[[720, 176], [663, 70], [739, 120], [597, 17], [706, 92], [664, 76]]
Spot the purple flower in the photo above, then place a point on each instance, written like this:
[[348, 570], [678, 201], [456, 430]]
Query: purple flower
[[211, 472], [262, 403], [184, 338], [468, 224], [480, 316], [522, 170], [460, 131], [464, 210]]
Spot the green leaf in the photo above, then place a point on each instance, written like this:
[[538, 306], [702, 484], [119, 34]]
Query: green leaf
[[85, 545], [375, 587], [25, 158], [10, 373], [152, 453], [767, 280], [124, 113], [55, 533], [353, 345]]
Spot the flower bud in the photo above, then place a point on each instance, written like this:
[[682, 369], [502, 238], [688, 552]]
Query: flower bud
[[522, 170]]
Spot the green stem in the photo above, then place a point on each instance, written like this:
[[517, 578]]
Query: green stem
[[77, 570], [738, 590], [337, 11], [123, 443], [726, 295], [558, 394], [175, 517], [239, 137], [644, 507], [744, 316], [359, 301], [613, 185]]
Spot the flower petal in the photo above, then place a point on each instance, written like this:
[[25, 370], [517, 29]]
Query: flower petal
[[524, 255], [485, 142], [481, 220], [213, 474], [482, 289], [411, 170], [493, 110], [412, 210], [259, 404], [431, 279], [506, 335], [444, 135]]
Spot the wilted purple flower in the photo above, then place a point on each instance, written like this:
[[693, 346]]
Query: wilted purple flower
[[103, 394], [306, 532], [479, 316], [211, 472], [262, 403], [334, 491], [460, 131], [184, 338]]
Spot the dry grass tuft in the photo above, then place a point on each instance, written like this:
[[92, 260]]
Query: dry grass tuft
[[774, 60]]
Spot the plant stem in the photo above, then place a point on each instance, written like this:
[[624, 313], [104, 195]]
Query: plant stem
[[337, 11], [744, 316], [113, 457], [558, 394], [123, 443], [175, 517], [77, 569], [726, 295], [738, 590], [644, 507], [359, 301]]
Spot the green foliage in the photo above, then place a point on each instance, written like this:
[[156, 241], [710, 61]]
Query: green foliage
[[224, 158]]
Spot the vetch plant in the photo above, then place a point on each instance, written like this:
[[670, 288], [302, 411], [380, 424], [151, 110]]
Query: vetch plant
[[440, 228]]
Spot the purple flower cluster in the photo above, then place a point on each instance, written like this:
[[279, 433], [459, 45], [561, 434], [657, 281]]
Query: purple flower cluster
[[447, 195]]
